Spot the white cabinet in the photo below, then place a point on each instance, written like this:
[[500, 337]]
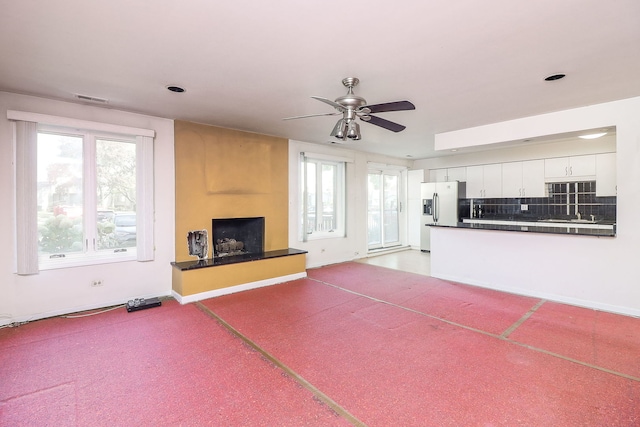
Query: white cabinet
[[484, 181], [576, 168], [457, 174], [606, 181], [523, 179], [437, 175], [448, 174]]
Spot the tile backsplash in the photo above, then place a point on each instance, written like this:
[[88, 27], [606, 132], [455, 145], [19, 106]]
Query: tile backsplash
[[565, 200]]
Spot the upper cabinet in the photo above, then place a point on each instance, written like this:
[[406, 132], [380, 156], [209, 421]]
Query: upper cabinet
[[528, 178], [523, 179], [448, 174], [484, 181], [575, 168], [606, 181]]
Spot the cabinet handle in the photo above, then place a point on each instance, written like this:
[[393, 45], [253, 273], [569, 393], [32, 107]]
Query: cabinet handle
[[566, 170], [570, 170]]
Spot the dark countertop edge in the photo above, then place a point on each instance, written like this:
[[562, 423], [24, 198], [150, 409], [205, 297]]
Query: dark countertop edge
[[537, 220], [235, 259], [575, 231]]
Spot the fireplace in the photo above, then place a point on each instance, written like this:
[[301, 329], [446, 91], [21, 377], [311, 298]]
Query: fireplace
[[237, 236]]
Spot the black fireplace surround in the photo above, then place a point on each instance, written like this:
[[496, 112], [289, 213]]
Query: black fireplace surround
[[249, 231]]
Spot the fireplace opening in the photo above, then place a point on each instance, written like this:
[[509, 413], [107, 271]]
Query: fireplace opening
[[237, 236]]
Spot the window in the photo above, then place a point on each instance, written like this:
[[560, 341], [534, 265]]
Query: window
[[84, 193], [323, 198]]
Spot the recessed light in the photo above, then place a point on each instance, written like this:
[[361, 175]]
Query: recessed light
[[176, 89], [454, 150], [592, 135], [554, 77]]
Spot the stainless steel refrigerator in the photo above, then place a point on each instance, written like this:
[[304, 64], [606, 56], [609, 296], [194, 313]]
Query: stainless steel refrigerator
[[440, 202]]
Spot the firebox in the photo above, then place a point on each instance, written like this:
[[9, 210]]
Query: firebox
[[236, 236]]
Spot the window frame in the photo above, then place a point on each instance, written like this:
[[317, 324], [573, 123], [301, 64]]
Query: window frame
[[90, 254], [26, 127], [339, 198]]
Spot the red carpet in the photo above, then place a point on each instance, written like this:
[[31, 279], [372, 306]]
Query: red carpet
[[167, 366], [603, 339], [475, 307], [352, 344]]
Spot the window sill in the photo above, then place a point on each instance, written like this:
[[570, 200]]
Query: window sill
[[81, 261], [320, 236]]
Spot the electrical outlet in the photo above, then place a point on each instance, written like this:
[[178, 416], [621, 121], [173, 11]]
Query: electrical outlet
[[96, 283], [524, 207]]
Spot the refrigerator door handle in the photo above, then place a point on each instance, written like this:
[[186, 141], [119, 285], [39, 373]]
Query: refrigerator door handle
[[436, 208]]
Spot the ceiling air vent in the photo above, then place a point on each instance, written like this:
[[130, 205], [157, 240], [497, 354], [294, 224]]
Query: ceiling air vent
[[91, 99]]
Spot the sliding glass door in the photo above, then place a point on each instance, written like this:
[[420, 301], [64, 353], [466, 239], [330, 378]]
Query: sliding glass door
[[383, 209]]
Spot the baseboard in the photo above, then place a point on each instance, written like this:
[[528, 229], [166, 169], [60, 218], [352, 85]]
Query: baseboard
[[239, 288], [79, 309], [626, 311]]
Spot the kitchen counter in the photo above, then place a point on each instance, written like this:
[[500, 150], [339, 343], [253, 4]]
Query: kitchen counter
[[545, 226]]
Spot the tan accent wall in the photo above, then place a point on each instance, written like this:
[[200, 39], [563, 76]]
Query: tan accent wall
[[193, 282], [224, 173]]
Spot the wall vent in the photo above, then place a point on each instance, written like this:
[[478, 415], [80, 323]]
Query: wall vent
[[91, 99]]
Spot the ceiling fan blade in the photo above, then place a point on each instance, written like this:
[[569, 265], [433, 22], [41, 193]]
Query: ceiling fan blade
[[311, 115], [390, 106], [389, 125], [330, 102]]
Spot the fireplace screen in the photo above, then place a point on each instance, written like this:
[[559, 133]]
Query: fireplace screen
[[236, 236]]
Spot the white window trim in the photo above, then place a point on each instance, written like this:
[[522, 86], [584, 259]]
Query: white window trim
[[342, 231], [25, 148]]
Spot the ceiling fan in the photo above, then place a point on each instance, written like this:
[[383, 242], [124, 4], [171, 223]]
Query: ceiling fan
[[352, 107]]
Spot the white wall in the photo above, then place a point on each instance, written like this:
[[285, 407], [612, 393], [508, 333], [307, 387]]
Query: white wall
[[595, 272], [53, 292], [354, 245]]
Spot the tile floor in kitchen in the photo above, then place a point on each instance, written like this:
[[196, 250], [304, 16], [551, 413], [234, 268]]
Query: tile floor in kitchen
[[410, 260]]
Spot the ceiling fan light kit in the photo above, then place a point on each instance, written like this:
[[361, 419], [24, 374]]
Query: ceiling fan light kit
[[353, 107]]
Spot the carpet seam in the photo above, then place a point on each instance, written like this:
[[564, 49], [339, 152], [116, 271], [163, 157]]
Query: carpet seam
[[480, 331], [338, 409], [520, 321]]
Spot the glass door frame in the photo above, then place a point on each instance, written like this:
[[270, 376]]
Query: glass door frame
[[400, 173]]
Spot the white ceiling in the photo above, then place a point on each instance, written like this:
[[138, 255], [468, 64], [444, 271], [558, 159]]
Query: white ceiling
[[247, 64]]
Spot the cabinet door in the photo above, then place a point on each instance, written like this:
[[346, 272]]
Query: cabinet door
[[475, 182], [493, 180], [437, 175], [557, 167], [606, 182], [512, 179], [457, 174], [533, 184], [582, 166]]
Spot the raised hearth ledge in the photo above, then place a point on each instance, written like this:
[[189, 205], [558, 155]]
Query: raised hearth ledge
[[235, 259], [238, 288], [197, 280]]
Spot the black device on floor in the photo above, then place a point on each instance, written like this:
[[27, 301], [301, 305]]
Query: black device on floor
[[142, 303]]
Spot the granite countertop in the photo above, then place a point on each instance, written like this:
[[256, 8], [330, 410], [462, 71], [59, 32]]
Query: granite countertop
[[212, 262], [544, 226]]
